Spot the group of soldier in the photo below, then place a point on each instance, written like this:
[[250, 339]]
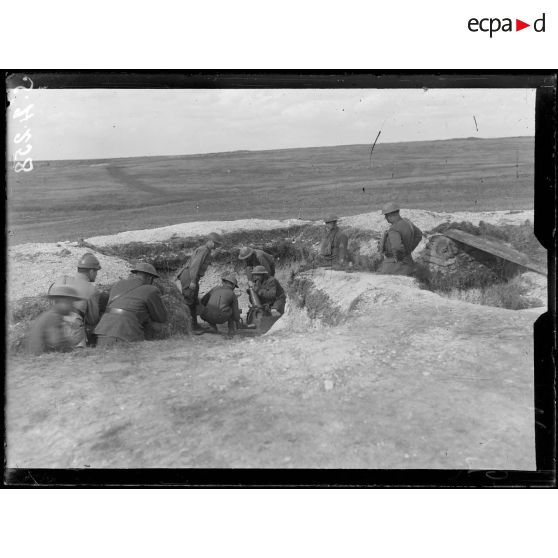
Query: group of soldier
[[76, 317]]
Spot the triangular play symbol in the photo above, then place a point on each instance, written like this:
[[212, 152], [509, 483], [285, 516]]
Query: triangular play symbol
[[519, 25]]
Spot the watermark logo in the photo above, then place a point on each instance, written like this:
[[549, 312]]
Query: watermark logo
[[492, 25]]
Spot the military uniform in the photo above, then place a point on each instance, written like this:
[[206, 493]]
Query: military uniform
[[397, 245], [131, 305], [83, 320], [333, 248], [220, 305], [192, 272], [48, 334], [259, 257], [271, 294]]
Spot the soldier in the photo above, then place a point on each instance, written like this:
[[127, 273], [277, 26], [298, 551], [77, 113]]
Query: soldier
[[189, 276], [333, 248], [86, 314], [253, 257], [48, 331], [132, 303], [398, 243], [220, 305], [269, 291]]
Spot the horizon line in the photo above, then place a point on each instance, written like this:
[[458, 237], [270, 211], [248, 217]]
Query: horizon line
[[277, 149]]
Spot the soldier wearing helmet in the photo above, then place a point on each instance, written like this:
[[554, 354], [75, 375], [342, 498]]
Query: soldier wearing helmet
[[398, 243], [220, 305], [132, 303], [333, 248], [252, 257], [86, 314], [48, 332], [269, 291], [189, 276]]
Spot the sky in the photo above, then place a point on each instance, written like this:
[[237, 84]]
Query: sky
[[106, 123]]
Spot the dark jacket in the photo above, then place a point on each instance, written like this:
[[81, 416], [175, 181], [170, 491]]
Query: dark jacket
[[47, 334], [259, 257], [141, 302], [195, 267], [400, 240], [271, 293], [333, 247], [88, 308], [397, 245], [220, 305]]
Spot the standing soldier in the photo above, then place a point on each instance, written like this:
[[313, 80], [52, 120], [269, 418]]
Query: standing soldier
[[86, 313], [188, 278], [269, 291], [132, 303], [253, 257], [48, 332], [220, 305], [398, 243], [333, 248]]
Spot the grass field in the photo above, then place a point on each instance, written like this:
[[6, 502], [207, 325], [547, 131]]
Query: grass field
[[61, 200]]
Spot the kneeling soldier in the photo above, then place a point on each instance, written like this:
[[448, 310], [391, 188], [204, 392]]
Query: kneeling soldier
[[269, 291], [253, 257], [132, 303], [48, 332], [220, 305], [398, 242], [189, 276], [86, 313]]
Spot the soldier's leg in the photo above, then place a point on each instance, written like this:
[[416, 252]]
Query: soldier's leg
[[191, 299]]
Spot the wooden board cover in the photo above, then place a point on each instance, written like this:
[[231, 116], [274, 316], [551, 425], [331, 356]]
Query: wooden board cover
[[499, 249]]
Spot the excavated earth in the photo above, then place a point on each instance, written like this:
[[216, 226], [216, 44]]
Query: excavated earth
[[363, 371]]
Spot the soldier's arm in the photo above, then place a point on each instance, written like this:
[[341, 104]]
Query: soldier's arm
[[267, 262], [156, 307], [198, 259], [280, 299], [396, 244], [92, 312]]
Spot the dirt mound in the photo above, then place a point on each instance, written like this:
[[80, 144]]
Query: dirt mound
[[196, 229], [427, 220], [33, 267], [327, 297], [179, 319]]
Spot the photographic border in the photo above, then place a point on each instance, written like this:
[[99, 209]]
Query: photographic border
[[544, 328]]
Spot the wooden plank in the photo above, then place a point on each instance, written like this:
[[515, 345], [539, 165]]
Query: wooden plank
[[496, 248]]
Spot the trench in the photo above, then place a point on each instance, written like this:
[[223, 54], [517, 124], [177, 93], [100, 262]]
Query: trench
[[478, 278]]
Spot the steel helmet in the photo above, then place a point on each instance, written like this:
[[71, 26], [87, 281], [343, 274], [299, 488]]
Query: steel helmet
[[259, 270], [216, 238], [57, 289], [390, 207], [331, 218], [231, 278], [145, 268], [88, 261], [245, 253]]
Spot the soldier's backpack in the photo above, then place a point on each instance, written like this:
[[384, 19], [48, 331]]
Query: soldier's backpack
[[417, 235]]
